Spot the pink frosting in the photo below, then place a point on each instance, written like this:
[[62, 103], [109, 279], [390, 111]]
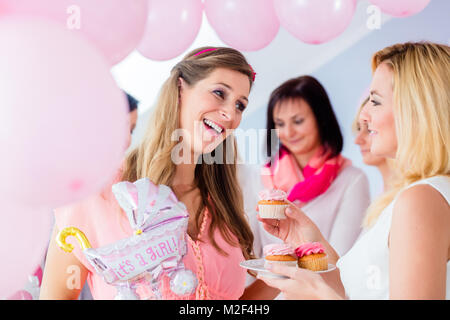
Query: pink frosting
[[309, 248], [272, 194], [276, 249]]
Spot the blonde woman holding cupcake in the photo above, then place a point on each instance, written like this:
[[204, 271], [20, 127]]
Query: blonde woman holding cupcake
[[199, 105], [405, 251]]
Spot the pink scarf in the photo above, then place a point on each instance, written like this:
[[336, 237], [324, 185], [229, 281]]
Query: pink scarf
[[315, 179]]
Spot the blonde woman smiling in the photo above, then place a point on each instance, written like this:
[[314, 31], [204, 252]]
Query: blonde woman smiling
[[405, 251], [205, 96]]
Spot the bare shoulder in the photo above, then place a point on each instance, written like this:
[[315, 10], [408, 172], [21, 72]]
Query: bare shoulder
[[419, 243], [422, 196], [421, 208]]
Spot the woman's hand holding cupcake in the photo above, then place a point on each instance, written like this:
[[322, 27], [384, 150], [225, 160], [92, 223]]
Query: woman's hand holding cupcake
[[296, 229], [301, 285], [272, 204]]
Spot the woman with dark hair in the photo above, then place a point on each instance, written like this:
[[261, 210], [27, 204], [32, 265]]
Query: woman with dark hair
[[133, 109], [133, 113], [307, 163]]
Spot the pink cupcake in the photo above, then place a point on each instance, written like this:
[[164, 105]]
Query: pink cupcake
[[279, 253], [312, 256], [272, 204]]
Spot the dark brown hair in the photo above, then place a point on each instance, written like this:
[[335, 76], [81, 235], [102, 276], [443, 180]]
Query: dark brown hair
[[309, 89]]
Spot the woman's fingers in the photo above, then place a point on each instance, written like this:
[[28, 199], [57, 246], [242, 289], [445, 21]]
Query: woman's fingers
[[287, 271], [273, 230], [272, 222], [272, 226], [295, 273], [277, 283], [302, 284], [294, 212], [292, 283]]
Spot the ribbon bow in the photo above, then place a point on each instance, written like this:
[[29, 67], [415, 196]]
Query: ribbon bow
[[146, 204]]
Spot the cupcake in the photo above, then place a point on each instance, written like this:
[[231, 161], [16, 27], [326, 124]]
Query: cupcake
[[279, 254], [312, 256], [272, 204]]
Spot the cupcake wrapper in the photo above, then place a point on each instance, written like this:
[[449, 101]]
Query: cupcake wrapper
[[272, 211], [318, 264], [284, 263]]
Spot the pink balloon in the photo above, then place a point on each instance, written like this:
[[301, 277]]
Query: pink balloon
[[114, 26], [314, 21], [401, 8], [21, 295], [63, 120], [172, 26], [38, 272], [24, 237], [247, 25]]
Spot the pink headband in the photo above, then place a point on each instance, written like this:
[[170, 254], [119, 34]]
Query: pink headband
[[212, 49], [254, 73], [206, 50]]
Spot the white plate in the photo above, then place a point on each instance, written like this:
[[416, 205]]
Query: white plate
[[258, 266]]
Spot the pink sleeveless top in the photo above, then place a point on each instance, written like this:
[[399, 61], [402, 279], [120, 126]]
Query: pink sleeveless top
[[103, 222]]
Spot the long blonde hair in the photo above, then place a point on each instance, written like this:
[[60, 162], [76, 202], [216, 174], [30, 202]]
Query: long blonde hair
[[421, 91], [218, 184]]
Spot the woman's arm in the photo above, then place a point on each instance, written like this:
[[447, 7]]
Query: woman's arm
[[419, 245], [349, 216], [296, 229], [301, 284], [64, 275]]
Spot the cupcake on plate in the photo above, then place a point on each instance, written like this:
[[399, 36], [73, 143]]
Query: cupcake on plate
[[279, 253], [272, 204], [312, 256]]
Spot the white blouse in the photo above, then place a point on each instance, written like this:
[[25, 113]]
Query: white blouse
[[364, 269]]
